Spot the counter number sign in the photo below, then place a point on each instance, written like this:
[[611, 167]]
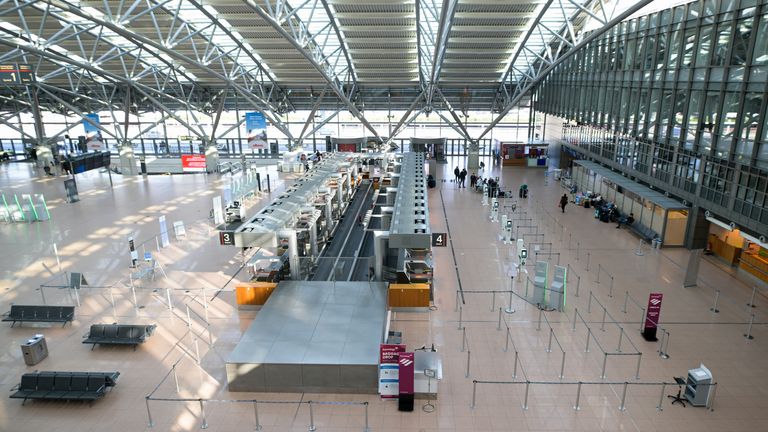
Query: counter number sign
[[227, 238], [439, 239]]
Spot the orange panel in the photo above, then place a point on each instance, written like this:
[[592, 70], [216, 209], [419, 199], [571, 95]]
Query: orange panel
[[409, 295], [254, 294]]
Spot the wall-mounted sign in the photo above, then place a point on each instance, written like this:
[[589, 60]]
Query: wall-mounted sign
[[192, 163], [439, 239], [227, 238]]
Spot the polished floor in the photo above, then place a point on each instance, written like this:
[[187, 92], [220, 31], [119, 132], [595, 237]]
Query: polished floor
[[198, 275]]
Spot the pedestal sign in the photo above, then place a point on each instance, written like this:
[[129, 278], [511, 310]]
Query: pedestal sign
[[652, 314], [389, 370], [164, 241], [406, 390]]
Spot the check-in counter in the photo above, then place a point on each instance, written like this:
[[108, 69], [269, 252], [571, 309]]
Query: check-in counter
[[729, 253]]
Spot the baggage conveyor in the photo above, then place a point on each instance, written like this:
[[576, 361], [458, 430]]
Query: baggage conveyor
[[344, 256]]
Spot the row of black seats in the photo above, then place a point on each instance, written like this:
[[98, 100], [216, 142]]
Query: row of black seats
[[65, 385], [118, 334], [40, 313]]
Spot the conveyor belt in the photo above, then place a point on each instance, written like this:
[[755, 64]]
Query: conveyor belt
[[338, 255]]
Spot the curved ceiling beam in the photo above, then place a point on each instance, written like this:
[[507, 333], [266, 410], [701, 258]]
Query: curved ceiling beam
[[334, 84], [108, 76], [144, 42]]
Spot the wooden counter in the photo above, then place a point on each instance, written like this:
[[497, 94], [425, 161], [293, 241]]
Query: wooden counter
[[409, 295], [253, 293], [730, 254], [755, 265]]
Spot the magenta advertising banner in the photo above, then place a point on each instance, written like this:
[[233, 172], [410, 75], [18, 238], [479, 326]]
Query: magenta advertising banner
[[406, 362], [652, 314]]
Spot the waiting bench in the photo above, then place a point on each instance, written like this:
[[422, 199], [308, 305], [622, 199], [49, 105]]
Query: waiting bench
[[86, 386], [22, 313], [118, 334]]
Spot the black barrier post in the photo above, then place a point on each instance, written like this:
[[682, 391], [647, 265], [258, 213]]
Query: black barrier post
[[269, 188], [258, 181]]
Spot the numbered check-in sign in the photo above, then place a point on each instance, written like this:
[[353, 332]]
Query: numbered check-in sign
[[439, 239], [227, 238]]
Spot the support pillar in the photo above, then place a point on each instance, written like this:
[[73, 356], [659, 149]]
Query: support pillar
[[379, 254], [293, 253], [313, 239], [127, 160], [329, 215], [697, 229], [211, 157]]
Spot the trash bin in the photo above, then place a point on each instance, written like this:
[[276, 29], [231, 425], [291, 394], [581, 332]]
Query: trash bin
[[656, 243], [34, 350]]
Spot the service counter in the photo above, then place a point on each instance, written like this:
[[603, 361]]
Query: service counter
[[754, 264]]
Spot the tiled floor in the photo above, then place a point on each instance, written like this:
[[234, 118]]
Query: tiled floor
[[91, 238]]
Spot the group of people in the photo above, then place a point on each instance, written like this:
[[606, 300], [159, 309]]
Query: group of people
[[460, 177], [63, 161]]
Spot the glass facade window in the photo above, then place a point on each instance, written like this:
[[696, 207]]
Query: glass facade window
[[685, 98]]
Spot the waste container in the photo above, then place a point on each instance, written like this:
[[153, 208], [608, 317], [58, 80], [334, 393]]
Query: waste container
[[656, 243], [34, 350]]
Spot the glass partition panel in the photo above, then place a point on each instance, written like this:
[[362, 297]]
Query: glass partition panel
[[646, 214], [676, 224]]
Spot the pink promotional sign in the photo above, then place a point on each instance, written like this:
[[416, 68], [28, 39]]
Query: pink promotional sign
[[388, 353], [652, 315], [407, 367]]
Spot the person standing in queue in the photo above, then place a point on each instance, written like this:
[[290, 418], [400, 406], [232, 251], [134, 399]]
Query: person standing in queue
[[563, 202], [456, 173], [463, 178]]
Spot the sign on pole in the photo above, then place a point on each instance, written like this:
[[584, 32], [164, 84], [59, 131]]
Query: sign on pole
[[439, 239]]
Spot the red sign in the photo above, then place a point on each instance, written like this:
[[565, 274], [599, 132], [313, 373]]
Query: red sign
[[193, 163], [352, 148], [407, 366], [388, 369]]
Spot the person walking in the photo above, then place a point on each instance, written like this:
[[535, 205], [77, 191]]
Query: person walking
[[456, 173], [563, 202], [463, 178], [472, 181]]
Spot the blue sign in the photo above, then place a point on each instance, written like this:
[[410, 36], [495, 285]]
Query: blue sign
[[93, 139], [256, 126]]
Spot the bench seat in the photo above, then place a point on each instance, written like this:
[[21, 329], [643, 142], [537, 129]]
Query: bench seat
[[88, 386], [40, 313], [118, 334]]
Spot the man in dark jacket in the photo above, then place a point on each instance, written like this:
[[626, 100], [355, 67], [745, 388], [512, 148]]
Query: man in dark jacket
[[456, 173], [463, 178], [563, 202]]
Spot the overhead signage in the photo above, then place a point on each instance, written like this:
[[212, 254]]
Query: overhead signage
[[227, 238], [256, 126], [93, 139], [193, 163], [439, 239], [652, 315], [16, 73]]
